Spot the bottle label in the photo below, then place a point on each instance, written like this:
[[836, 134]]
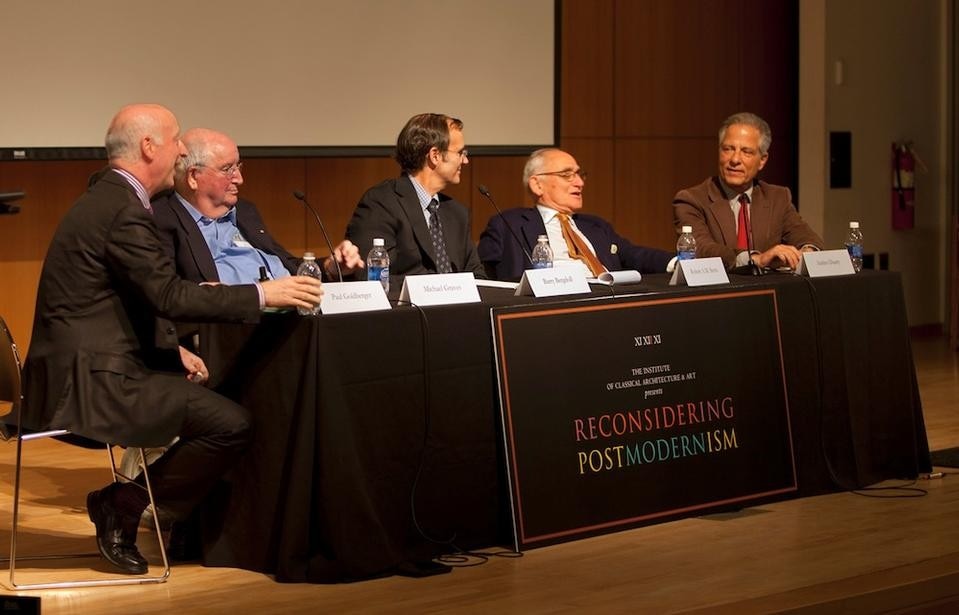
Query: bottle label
[[686, 255], [542, 264], [855, 250]]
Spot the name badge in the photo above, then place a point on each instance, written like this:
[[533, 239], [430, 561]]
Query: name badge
[[240, 242], [699, 272], [348, 297], [552, 282], [825, 263], [440, 289]]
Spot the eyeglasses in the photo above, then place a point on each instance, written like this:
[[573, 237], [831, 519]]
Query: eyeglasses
[[228, 170], [567, 174], [463, 153]]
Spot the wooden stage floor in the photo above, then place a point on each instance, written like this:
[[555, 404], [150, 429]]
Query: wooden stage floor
[[841, 553]]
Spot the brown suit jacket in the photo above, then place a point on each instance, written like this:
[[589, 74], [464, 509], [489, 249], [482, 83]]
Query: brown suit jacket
[[103, 360], [773, 216]]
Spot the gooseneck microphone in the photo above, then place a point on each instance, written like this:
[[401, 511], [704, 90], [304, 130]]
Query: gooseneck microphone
[[485, 192], [302, 198]]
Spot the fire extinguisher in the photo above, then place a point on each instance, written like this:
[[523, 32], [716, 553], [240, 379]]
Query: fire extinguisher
[[903, 187]]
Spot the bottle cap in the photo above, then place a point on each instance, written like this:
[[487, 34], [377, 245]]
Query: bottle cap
[[687, 229], [542, 238], [854, 224], [378, 242], [308, 256]]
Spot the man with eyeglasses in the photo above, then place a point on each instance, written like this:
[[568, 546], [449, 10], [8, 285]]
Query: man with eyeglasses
[[578, 240], [213, 235], [738, 218], [424, 231]]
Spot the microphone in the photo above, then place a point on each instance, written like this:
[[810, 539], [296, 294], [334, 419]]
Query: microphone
[[485, 192], [302, 198], [754, 269]]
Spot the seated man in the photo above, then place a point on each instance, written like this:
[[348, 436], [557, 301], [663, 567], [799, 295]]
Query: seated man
[[722, 225], [579, 240], [104, 361], [424, 231], [214, 236]]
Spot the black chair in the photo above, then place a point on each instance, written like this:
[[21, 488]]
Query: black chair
[[11, 407]]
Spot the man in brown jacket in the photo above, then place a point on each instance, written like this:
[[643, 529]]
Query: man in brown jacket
[[738, 218]]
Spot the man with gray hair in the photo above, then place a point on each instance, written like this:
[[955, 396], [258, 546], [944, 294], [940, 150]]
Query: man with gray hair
[[578, 240], [211, 234], [738, 218]]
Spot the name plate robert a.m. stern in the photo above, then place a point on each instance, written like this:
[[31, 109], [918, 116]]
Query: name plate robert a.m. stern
[[348, 297], [699, 272], [440, 289], [825, 263], [552, 282]]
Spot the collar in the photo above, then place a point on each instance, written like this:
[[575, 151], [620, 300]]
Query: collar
[[229, 216], [424, 197]]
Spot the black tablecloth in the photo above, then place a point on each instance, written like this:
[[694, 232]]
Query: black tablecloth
[[351, 474]]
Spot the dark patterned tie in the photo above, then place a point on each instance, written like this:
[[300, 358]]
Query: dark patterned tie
[[436, 234]]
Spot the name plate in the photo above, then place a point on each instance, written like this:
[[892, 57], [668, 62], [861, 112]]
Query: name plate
[[347, 297], [552, 282], [440, 289], [825, 263], [699, 272]]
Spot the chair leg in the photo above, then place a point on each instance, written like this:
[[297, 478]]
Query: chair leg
[[138, 580]]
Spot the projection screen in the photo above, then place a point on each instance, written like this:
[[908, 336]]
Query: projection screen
[[314, 74]]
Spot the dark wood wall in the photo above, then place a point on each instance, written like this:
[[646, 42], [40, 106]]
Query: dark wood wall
[[644, 85]]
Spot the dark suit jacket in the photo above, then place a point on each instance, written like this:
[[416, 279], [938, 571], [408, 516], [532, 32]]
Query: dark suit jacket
[[103, 360], [773, 217], [504, 260], [183, 242], [391, 210]]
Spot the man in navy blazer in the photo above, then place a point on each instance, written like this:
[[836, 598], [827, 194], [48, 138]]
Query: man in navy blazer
[[556, 182], [214, 236]]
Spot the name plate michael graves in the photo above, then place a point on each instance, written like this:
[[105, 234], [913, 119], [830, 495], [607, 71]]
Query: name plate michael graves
[[657, 412], [439, 289]]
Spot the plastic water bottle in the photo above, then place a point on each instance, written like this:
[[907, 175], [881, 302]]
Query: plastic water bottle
[[310, 268], [686, 245], [542, 254], [378, 264], [854, 245]]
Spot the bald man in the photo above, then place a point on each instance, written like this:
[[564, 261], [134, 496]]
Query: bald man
[[104, 360]]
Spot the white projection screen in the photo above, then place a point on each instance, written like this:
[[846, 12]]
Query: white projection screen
[[294, 74]]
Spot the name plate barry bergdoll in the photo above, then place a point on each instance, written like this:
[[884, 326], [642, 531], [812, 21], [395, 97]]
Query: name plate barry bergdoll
[[632, 411]]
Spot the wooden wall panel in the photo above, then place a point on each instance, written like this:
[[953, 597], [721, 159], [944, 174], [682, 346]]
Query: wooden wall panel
[[595, 156], [270, 182], [677, 66], [586, 78], [649, 172], [503, 175]]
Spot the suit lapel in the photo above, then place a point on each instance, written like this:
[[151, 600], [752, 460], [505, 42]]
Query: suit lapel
[[760, 218], [532, 227], [197, 245], [723, 213], [414, 213]]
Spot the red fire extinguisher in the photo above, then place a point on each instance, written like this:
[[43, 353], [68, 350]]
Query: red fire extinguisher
[[903, 187]]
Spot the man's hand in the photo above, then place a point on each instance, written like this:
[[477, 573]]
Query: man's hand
[[778, 256], [347, 255], [196, 370], [292, 291]]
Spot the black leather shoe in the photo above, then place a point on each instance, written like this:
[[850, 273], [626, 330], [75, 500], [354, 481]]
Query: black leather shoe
[[185, 542], [116, 533]]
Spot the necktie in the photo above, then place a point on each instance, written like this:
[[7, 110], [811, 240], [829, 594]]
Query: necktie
[[742, 233], [578, 248], [436, 234]]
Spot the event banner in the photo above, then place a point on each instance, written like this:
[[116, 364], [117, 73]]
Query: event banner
[[622, 412]]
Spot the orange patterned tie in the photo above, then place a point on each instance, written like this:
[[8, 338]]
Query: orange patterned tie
[[578, 248]]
